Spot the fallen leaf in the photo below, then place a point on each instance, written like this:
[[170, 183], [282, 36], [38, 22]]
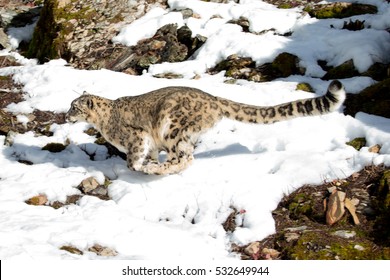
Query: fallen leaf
[[352, 209], [335, 207]]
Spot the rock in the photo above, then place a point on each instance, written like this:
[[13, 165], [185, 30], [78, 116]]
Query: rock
[[373, 100], [89, 184], [72, 250], [80, 31], [164, 46], [305, 87], [4, 42], [54, 147], [357, 143], [359, 247], [253, 248], [378, 71], [335, 207], [103, 251], [37, 200], [375, 149], [286, 64], [293, 229], [270, 254], [340, 10], [241, 21], [291, 236], [236, 67], [352, 210], [343, 71], [184, 36], [345, 233]]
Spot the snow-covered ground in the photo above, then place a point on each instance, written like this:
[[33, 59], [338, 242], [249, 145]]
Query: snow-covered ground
[[248, 167]]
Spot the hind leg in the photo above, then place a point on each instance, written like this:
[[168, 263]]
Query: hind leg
[[180, 156]]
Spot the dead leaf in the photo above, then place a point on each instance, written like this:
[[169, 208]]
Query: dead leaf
[[37, 200], [352, 209], [335, 207]]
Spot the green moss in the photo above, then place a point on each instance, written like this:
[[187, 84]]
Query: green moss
[[357, 143], [54, 147], [300, 205], [100, 141], [340, 10], [286, 6], [317, 245]]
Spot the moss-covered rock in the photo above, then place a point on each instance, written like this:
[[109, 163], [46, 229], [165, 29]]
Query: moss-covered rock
[[372, 100], [80, 31], [342, 71], [286, 64], [305, 87], [340, 10], [319, 245], [357, 143], [48, 38], [378, 71]]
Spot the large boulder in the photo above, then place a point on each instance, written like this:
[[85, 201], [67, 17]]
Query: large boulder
[[75, 30]]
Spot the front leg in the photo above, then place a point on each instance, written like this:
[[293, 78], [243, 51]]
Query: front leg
[[140, 151]]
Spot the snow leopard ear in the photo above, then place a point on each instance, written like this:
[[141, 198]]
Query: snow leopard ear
[[90, 104], [84, 92]]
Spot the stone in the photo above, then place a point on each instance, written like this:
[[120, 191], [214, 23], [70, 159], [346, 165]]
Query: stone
[[339, 10], [253, 248], [81, 31], [335, 207], [4, 42], [103, 251], [291, 236], [345, 233], [164, 46], [357, 143], [88, 185], [37, 200], [374, 100], [342, 71]]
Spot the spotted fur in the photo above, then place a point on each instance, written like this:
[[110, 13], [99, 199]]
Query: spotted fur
[[171, 119]]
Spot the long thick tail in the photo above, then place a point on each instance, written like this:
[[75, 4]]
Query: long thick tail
[[329, 102]]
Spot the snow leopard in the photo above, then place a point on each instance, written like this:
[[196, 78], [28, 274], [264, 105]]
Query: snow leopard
[[172, 119]]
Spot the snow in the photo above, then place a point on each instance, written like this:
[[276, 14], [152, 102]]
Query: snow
[[248, 167]]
